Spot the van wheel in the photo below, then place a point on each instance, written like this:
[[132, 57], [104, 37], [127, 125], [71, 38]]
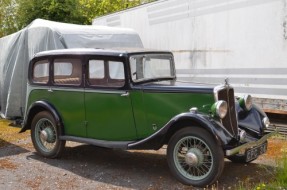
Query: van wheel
[[194, 157], [45, 135]]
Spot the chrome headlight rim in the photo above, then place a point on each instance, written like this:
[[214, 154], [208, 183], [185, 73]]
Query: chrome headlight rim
[[266, 122], [246, 102], [220, 108]]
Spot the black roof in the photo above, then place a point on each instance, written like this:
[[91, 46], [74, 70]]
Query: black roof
[[91, 51]]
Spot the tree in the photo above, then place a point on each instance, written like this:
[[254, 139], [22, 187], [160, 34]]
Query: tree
[[90, 9], [7, 17], [16, 14], [55, 10]]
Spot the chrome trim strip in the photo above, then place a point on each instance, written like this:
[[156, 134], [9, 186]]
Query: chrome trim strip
[[56, 88], [106, 91], [250, 144]]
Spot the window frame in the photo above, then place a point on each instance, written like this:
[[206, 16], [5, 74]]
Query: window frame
[[52, 74], [31, 71], [32, 78], [172, 67], [106, 60]]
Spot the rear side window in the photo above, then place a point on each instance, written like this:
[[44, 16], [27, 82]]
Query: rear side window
[[41, 72], [67, 72], [96, 69]]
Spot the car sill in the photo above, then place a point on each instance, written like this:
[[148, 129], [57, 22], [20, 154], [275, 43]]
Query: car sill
[[100, 143]]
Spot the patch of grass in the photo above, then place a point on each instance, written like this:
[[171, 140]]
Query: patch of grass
[[9, 134], [280, 181]]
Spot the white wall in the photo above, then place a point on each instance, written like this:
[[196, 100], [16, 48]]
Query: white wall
[[245, 40]]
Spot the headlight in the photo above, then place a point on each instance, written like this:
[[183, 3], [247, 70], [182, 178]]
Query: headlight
[[220, 109], [266, 122], [245, 102]]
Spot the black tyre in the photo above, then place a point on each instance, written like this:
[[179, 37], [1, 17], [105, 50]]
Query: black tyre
[[45, 135], [194, 157]]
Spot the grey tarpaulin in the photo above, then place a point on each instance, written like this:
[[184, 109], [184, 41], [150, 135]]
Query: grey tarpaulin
[[17, 49]]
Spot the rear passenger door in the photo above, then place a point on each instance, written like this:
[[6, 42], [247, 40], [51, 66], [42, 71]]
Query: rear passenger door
[[66, 93], [108, 104]]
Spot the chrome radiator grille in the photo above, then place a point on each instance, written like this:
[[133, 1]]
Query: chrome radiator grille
[[230, 120]]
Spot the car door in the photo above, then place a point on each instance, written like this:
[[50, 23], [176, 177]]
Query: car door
[[66, 94], [107, 102]]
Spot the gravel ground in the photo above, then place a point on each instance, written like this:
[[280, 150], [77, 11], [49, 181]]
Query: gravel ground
[[88, 167]]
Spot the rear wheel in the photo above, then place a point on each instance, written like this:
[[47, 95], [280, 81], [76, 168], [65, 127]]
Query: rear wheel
[[45, 135], [194, 157]]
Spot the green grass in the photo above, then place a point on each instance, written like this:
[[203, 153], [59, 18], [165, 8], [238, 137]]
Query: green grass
[[280, 177]]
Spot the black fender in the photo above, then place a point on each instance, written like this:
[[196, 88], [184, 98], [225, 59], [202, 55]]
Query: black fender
[[37, 107], [189, 119], [251, 120]]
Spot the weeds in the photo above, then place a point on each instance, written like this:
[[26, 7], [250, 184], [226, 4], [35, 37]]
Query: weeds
[[280, 176]]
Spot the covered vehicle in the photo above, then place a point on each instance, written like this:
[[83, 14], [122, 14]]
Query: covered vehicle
[[19, 48], [131, 99]]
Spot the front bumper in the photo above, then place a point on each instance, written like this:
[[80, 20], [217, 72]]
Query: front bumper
[[250, 144]]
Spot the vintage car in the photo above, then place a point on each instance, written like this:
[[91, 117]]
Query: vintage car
[[131, 99]]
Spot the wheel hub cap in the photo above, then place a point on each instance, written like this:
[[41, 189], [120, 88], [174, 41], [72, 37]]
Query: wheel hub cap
[[47, 135], [194, 157]]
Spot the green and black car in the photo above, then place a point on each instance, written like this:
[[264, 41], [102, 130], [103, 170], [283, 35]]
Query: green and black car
[[131, 99]]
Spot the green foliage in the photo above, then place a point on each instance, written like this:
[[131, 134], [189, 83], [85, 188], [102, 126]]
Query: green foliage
[[281, 173], [16, 14], [94, 8], [56, 10], [7, 17], [280, 177]]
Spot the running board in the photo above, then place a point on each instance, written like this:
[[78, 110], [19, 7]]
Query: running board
[[100, 143]]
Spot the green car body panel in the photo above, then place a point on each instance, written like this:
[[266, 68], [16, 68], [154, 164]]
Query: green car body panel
[[138, 118], [109, 116], [69, 104], [152, 110]]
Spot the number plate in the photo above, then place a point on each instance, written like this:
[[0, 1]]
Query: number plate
[[253, 153]]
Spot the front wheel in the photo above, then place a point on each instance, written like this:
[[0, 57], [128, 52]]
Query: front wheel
[[194, 157], [45, 135]]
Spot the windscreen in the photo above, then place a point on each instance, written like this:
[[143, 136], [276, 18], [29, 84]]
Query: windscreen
[[151, 66]]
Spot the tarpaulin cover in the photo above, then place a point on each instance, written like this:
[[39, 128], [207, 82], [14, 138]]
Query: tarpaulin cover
[[16, 50]]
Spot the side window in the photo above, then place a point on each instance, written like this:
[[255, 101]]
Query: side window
[[67, 71], [96, 69], [41, 72], [97, 73], [117, 74], [106, 73]]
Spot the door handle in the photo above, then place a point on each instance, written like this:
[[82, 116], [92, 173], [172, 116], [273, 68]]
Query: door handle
[[125, 94]]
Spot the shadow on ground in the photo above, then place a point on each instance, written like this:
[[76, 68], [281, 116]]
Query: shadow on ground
[[9, 149], [142, 170]]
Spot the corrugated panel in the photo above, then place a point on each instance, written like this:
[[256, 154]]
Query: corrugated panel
[[176, 10]]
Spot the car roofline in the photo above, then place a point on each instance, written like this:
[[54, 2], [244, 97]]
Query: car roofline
[[94, 51]]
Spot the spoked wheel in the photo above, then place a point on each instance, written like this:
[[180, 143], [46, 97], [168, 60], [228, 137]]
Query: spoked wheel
[[194, 157], [45, 135]]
